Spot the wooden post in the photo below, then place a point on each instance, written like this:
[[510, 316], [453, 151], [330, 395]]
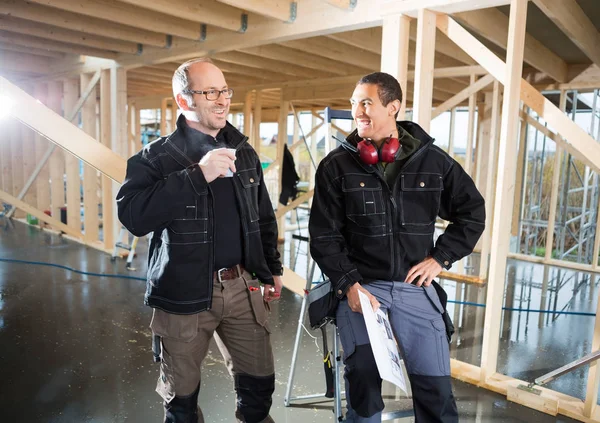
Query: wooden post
[[504, 188], [41, 145], [163, 117], [256, 121], [451, 134], [488, 184], [520, 183], [591, 396], [6, 156], [555, 186], [90, 175], [248, 116], [118, 120], [57, 159], [174, 109], [313, 152], [282, 138], [70, 90], [108, 215], [424, 58], [394, 52], [470, 130], [28, 165]]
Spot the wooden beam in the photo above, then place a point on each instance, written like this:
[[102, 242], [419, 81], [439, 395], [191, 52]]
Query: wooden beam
[[125, 14], [492, 24], [394, 57], [423, 97], [39, 214], [39, 43], [207, 12], [462, 96], [72, 176], [343, 4], [90, 176], [282, 137], [282, 210], [80, 23], [411, 7], [584, 146], [315, 17], [573, 21], [108, 200], [51, 33], [504, 189], [332, 49], [470, 129], [31, 51], [58, 130], [283, 10], [21, 62], [308, 60]]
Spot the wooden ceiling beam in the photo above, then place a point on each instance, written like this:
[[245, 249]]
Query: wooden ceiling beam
[[282, 10], [332, 49], [51, 33], [573, 21], [492, 24], [262, 63], [289, 55], [250, 71], [19, 62], [31, 50], [127, 14], [343, 4], [28, 41], [207, 12], [80, 23]]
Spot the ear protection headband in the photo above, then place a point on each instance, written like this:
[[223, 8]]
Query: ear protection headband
[[371, 155]]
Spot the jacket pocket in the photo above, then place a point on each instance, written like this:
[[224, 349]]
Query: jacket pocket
[[420, 198], [250, 183], [191, 225], [364, 200]]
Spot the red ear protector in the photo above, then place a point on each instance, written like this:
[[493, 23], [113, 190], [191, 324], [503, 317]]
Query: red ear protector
[[371, 155]]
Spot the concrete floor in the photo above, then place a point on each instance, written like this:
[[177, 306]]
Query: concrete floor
[[76, 348]]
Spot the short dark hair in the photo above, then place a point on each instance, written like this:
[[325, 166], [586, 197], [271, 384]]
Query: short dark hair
[[388, 87]]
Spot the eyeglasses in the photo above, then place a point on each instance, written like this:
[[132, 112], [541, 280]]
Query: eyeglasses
[[212, 95]]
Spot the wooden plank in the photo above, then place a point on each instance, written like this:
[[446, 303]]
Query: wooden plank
[[587, 148], [57, 130], [90, 176], [80, 23], [22, 26], [492, 24], [504, 189], [21, 205], [394, 48], [466, 93], [256, 121], [108, 201], [411, 7], [6, 157], [207, 12], [73, 179], [593, 380], [125, 14], [57, 160], [282, 137], [543, 402], [163, 117], [18, 179], [470, 129], [39, 43], [31, 51], [423, 91], [574, 22], [282, 10], [343, 4], [41, 145], [521, 183], [23, 62], [282, 210], [248, 115], [28, 164]]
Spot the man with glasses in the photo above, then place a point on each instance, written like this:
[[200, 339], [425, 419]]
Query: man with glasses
[[200, 191]]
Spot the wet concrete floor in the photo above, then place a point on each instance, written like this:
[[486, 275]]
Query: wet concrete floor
[[76, 348]]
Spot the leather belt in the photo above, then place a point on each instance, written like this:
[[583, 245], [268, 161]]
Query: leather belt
[[228, 273]]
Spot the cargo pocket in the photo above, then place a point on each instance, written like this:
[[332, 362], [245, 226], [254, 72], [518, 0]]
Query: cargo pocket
[[443, 350], [165, 386], [346, 335], [179, 327], [257, 302]]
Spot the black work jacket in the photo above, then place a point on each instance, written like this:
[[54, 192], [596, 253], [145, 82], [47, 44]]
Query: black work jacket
[[165, 193], [363, 230]]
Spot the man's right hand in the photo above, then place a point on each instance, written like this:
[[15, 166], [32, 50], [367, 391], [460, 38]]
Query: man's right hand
[[216, 163], [354, 300]]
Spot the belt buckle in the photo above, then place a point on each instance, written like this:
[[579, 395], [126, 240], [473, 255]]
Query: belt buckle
[[219, 274]]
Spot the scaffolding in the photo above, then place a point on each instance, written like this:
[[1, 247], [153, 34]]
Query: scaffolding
[[579, 190]]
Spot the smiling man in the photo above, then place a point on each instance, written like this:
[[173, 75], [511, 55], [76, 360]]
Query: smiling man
[[200, 192], [372, 222]]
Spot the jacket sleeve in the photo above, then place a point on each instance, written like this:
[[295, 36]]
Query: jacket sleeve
[[327, 243], [463, 206], [268, 227], [149, 200]]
